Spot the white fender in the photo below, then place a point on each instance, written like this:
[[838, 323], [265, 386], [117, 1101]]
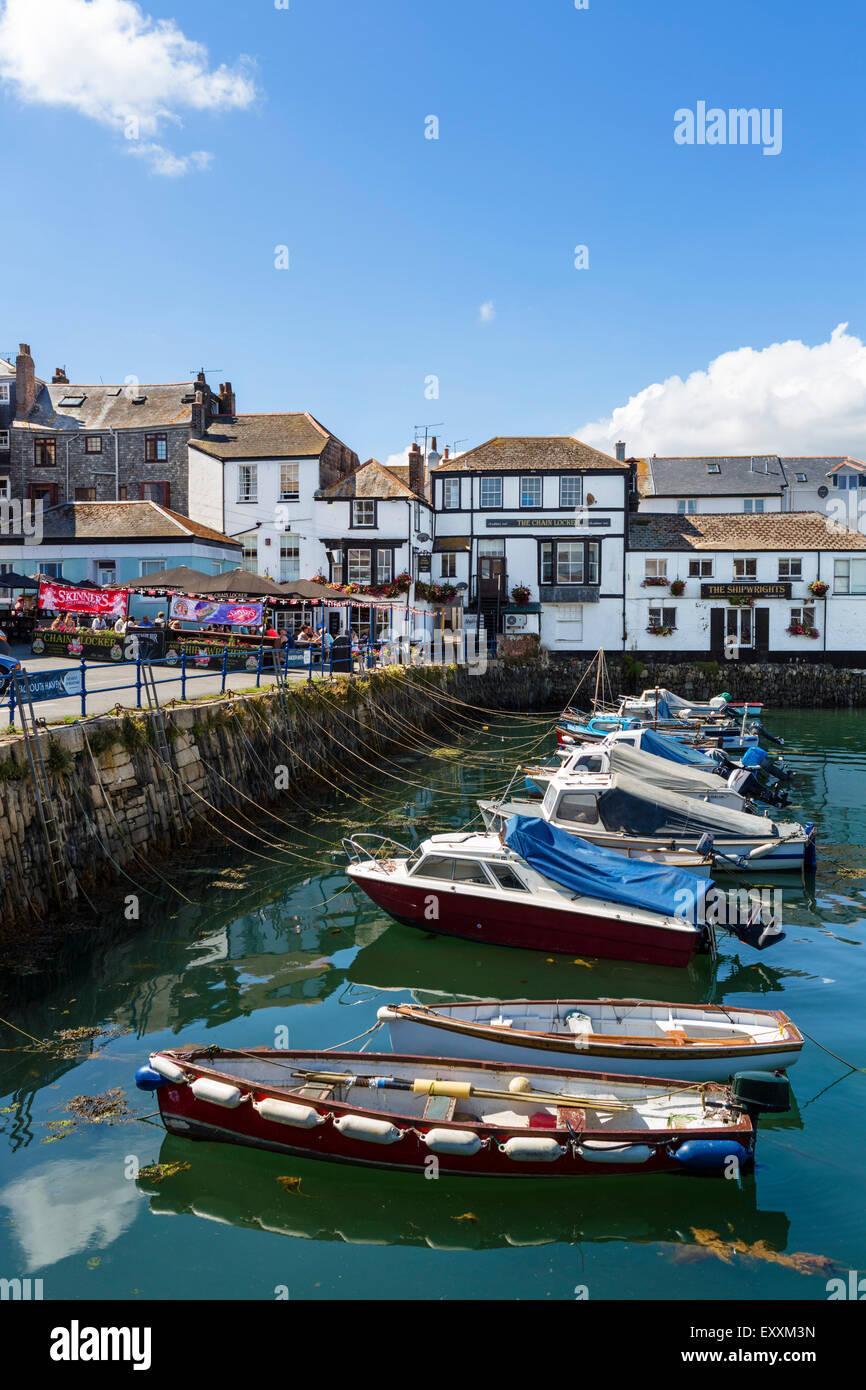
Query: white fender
[[452, 1141], [285, 1113], [217, 1092], [170, 1070], [532, 1149], [364, 1127], [609, 1151]]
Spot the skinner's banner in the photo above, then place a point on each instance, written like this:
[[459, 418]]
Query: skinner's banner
[[65, 598], [201, 610]]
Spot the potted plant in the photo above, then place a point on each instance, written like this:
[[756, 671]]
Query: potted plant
[[656, 581], [661, 630], [802, 630], [520, 593], [818, 588], [744, 601], [678, 587]]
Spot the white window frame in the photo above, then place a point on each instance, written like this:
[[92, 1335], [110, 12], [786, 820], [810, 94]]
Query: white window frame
[[5, 488], [5, 393], [753, 505], [448, 564], [384, 562], [5, 442], [359, 508], [450, 492], [804, 615], [290, 482], [745, 567], [845, 580], [248, 482], [147, 567], [703, 568], [564, 567], [570, 482], [655, 568], [657, 616], [290, 557], [249, 551], [687, 506], [493, 482], [531, 492], [790, 567], [358, 571]]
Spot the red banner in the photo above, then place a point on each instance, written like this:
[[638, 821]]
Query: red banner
[[65, 598]]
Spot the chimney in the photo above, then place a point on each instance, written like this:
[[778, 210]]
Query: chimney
[[620, 451], [434, 456], [416, 469], [25, 382], [199, 417], [447, 453], [227, 399], [60, 378]]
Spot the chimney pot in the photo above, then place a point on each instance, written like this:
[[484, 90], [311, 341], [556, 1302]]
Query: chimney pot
[[620, 451]]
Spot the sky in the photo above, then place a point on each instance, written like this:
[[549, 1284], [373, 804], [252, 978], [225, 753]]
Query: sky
[[250, 186]]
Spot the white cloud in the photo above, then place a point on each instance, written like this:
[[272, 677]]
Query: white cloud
[[787, 398], [398, 460], [487, 312], [109, 61], [171, 166]]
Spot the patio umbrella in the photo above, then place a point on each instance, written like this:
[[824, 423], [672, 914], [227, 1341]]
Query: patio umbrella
[[309, 589], [183, 578], [13, 580], [239, 583]]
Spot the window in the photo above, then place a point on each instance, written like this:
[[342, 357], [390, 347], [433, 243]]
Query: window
[[790, 567], [530, 492], [43, 492], [121, 493], [248, 482], [577, 808], [44, 453], [849, 480], [714, 468], [451, 494], [72, 400], [147, 567], [739, 625], [93, 444], [51, 571], [448, 567], [290, 558], [363, 513], [85, 494], [250, 552], [467, 871], [753, 504], [5, 489], [290, 490], [746, 568], [687, 506], [4, 439], [569, 562], [571, 491], [569, 622], [801, 478], [655, 569], [849, 577], [360, 567], [804, 616], [491, 493], [384, 566], [700, 569], [507, 878], [155, 448], [4, 393], [434, 867], [156, 492], [662, 617]]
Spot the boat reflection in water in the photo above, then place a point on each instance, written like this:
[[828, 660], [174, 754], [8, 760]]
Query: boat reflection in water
[[240, 1187]]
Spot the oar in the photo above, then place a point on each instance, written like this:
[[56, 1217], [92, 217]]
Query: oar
[[463, 1090]]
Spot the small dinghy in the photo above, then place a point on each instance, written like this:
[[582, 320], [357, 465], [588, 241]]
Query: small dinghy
[[397, 1112], [684, 1042]]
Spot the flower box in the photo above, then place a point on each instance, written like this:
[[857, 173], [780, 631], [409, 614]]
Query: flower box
[[655, 582]]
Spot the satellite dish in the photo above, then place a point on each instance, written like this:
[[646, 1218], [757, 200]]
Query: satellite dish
[[823, 491]]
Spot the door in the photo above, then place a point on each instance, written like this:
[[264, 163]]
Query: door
[[740, 628], [491, 576], [762, 633]]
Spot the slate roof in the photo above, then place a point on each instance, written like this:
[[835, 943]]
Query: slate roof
[[818, 467], [372, 479], [122, 521], [739, 531], [524, 453], [739, 475], [109, 407], [291, 434]]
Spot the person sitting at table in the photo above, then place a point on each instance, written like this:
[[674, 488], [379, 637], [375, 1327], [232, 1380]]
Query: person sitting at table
[[71, 623], [18, 607], [145, 621], [99, 624], [175, 625], [120, 625], [59, 624], [271, 634], [306, 636], [159, 620]]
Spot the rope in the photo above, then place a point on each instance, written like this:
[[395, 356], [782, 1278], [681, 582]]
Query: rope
[[830, 1053]]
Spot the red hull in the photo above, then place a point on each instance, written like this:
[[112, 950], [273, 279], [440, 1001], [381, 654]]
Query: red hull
[[532, 926], [189, 1117]]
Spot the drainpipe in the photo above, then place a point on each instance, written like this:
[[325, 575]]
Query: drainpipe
[[116, 467], [67, 470]]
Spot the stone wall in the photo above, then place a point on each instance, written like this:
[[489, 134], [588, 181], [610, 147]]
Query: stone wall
[[781, 685]]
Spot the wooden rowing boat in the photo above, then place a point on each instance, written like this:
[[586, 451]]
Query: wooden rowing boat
[[397, 1112], [692, 1042]]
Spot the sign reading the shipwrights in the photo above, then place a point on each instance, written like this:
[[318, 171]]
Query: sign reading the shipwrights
[[532, 521], [745, 590]]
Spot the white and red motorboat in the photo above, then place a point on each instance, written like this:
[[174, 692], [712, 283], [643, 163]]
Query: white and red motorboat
[[397, 1112], [684, 1042], [537, 887]]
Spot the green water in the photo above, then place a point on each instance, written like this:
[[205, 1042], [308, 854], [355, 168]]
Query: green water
[[269, 942]]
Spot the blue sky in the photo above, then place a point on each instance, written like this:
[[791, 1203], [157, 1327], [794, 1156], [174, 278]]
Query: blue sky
[[556, 129]]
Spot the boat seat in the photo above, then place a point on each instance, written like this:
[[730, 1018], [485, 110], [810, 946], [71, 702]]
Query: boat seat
[[317, 1090], [440, 1108]]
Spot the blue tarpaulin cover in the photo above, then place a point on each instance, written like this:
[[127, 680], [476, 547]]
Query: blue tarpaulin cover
[[605, 874], [753, 757], [673, 750]]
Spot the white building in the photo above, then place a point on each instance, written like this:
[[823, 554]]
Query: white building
[[255, 477], [833, 484], [751, 484], [697, 583], [547, 514], [374, 526]]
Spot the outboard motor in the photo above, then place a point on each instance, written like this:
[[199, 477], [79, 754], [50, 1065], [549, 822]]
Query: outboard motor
[[761, 1093]]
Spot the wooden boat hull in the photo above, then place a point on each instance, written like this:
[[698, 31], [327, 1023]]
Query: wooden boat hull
[[446, 1032], [581, 1147], [528, 924]]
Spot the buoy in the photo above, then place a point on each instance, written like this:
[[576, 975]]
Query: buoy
[[148, 1079], [710, 1155], [517, 1084]]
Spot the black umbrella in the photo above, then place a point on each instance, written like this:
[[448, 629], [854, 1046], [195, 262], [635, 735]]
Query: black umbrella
[[239, 583], [182, 578], [13, 580]]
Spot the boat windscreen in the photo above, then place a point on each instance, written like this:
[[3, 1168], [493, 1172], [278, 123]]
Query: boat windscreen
[[605, 874]]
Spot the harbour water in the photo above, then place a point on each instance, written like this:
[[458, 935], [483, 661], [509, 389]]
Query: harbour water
[[251, 945]]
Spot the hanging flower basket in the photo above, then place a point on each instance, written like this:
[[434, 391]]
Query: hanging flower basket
[[520, 593], [743, 602], [657, 581], [818, 588], [663, 630], [678, 588], [800, 630]]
